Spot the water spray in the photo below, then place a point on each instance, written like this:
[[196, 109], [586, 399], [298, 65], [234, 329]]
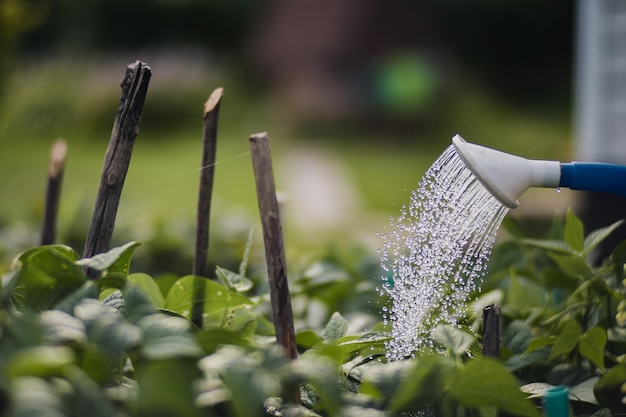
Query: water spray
[[508, 176]]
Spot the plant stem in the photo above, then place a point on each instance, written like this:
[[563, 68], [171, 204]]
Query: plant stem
[[274, 246], [117, 160], [53, 192]]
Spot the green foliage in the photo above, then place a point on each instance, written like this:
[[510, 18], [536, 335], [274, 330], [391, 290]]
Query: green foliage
[[123, 344]]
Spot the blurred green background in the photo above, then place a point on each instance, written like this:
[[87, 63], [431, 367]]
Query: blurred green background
[[358, 97]]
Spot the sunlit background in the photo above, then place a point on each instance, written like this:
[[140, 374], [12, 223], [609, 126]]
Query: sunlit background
[[359, 97]]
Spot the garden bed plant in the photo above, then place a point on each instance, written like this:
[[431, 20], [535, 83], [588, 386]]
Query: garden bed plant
[[85, 335]]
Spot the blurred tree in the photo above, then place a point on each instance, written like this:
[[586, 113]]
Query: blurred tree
[[16, 18]]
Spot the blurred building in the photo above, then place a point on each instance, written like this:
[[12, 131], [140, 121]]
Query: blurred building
[[601, 105]]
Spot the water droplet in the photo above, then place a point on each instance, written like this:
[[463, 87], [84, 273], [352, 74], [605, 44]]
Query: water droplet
[[439, 244]]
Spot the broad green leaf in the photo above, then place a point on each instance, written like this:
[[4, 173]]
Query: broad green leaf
[[453, 338], [597, 236], [552, 245], [88, 290], [608, 391], [46, 275], [41, 361], [233, 280], [116, 260], [574, 233], [592, 344], [217, 298], [336, 328], [425, 382], [368, 340], [321, 374], [107, 328], [381, 380], [573, 265], [567, 339], [523, 293], [539, 342], [89, 398], [584, 391], [34, 396], [307, 338], [61, 328], [146, 284], [167, 388], [486, 382], [167, 337], [213, 338]]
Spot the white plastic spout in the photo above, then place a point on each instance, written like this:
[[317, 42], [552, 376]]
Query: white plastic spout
[[506, 176]]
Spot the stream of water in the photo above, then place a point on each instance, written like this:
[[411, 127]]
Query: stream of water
[[436, 253]]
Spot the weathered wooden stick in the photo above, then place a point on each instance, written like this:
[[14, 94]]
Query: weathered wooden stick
[[207, 173], [117, 159], [53, 192], [491, 331], [205, 192], [274, 246]]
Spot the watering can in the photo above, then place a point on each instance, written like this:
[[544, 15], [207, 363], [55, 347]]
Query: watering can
[[508, 176]]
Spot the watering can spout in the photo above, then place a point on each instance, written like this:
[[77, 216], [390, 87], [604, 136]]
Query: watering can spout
[[506, 176]]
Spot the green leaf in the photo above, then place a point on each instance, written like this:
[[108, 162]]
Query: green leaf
[[552, 245], [61, 328], [116, 260], [107, 328], [167, 337], [425, 382], [453, 338], [539, 342], [36, 397], [336, 328], [307, 338], [584, 391], [573, 265], [233, 280], [574, 233], [567, 339], [524, 293], [591, 345], [486, 382], [41, 361], [366, 341], [146, 284], [46, 275], [608, 391], [217, 298], [213, 338], [597, 236], [167, 388]]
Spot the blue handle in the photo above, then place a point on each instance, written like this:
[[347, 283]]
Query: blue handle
[[591, 176]]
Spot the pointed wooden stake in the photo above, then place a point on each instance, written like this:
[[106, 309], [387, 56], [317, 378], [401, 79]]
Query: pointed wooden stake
[[53, 192], [117, 159], [274, 246], [205, 192]]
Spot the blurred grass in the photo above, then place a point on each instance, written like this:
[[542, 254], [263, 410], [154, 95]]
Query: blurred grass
[[78, 101]]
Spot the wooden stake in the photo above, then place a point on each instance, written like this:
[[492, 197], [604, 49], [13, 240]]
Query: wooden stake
[[491, 331], [53, 192], [207, 173], [274, 246], [117, 159], [205, 192]]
